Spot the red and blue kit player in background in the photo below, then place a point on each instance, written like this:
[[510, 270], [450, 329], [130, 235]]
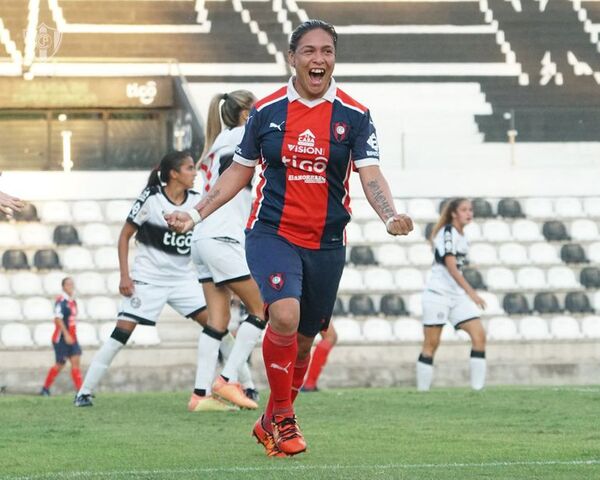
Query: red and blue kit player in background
[[307, 137], [64, 338]]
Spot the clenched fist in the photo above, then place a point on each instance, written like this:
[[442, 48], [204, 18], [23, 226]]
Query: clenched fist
[[399, 224], [180, 222]]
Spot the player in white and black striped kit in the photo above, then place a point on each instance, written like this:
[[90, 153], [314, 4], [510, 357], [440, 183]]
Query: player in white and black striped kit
[[448, 297], [161, 273]]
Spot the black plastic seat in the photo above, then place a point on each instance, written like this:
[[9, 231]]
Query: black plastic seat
[[361, 304], [66, 235], [28, 214], [578, 302], [362, 255], [482, 208], [338, 308], [555, 231], [392, 305], [428, 230], [590, 277], [443, 204], [510, 208], [46, 259], [546, 302], [515, 304], [573, 253], [15, 260], [474, 278]]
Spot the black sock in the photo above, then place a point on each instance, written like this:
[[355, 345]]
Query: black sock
[[426, 360], [200, 392], [225, 378]]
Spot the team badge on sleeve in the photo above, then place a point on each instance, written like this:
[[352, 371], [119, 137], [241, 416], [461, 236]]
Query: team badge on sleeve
[[276, 281]]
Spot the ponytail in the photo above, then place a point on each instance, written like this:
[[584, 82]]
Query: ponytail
[[446, 215], [162, 172]]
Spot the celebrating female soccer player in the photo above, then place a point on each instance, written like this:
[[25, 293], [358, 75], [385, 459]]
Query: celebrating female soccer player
[[448, 296], [307, 137]]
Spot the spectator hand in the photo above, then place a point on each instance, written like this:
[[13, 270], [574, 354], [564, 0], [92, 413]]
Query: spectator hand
[[180, 222], [399, 224]]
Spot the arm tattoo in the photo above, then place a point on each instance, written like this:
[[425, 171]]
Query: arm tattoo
[[379, 198], [210, 198]]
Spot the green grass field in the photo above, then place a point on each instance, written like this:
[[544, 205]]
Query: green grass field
[[501, 433]]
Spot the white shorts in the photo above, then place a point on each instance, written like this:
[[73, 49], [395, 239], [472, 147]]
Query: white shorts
[[147, 301], [439, 309], [220, 260]]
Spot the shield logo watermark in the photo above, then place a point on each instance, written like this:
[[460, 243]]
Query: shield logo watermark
[[47, 42]]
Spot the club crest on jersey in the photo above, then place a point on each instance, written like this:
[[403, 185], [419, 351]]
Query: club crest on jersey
[[340, 131], [276, 281]]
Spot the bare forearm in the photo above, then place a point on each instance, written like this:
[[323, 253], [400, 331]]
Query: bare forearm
[[123, 250], [378, 193], [459, 278]]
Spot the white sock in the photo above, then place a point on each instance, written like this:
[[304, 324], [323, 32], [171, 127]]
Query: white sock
[[245, 376], [208, 355], [226, 346], [100, 364], [478, 367], [245, 341], [424, 373]]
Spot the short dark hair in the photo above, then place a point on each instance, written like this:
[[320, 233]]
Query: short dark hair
[[309, 25], [64, 280]]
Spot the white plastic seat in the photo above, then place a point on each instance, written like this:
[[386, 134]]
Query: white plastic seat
[[4, 286], [348, 330], [377, 330], [377, 278], [502, 328], [38, 308], [534, 328], [539, 208], [415, 305], [591, 206], [116, 211], [408, 279], [500, 278], [565, 328], [86, 211], [362, 211], [596, 301], [36, 235], [10, 310], [96, 234], [408, 330], [106, 258], [568, 207], [374, 231], [42, 334], [524, 230], [105, 330], [543, 253], [351, 279], [493, 305], [86, 334], [26, 283], [16, 335], [420, 254], [513, 254], [584, 230], [422, 209], [496, 231], [391, 255], [590, 326], [593, 252], [52, 282], [416, 235], [113, 280], [473, 232], [9, 235], [531, 278], [562, 278], [483, 254], [81, 309], [90, 283], [56, 212], [354, 233], [449, 334], [77, 258], [101, 308], [145, 335]]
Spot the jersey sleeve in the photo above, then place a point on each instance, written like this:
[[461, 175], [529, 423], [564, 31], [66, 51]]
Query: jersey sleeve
[[139, 210], [247, 152], [58, 313], [365, 150], [446, 242]]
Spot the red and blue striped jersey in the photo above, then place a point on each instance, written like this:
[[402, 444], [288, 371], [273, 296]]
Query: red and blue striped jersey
[[306, 151], [65, 309]]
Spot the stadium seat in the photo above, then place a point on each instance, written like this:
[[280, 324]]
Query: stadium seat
[[510, 208], [483, 254], [543, 254], [496, 231], [338, 308], [568, 207], [513, 254], [591, 206], [66, 235], [589, 277], [15, 260], [414, 236], [16, 335], [354, 233], [377, 330], [546, 302], [4, 286], [561, 278], [37, 309], [86, 211], [590, 326], [500, 278], [502, 328], [474, 278], [374, 231], [52, 282], [113, 280], [408, 330], [391, 255], [116, 211], [578, 302], [96, 234], [593, 252], [77, 258], [409, 279], [145, 335], [573, 253], [428, 230], [392, 305], [46, 259], [565, 328], [361, 305], [531, 278], [56, 212], [42, 334], [26, 284], [491, 300], [362, 255], [86, 334], [10, 310], [420, 255], [101, 308], [449, 334], [524, 230], [362, 211], [596, 301], [584, 230], [348, 330], [422, 209], [539, 208], [27, 214], [351, 280], [9, 235], [515, 304], [90, 283], [555, 231], [377, 278], [482, 208], [473, 232], [534, 328], [35, 235], [105, 330], [415, 305]]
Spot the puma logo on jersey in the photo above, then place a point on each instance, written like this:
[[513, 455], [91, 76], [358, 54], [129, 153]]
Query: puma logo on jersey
[[278, 127], [274, 366]]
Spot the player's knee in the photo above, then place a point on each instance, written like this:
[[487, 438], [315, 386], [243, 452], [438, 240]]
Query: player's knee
[[284, 321], [331, 336], [59, 365], [121, 335]]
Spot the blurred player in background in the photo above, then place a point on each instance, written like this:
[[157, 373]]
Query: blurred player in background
[[319, 358], [64, 338], [219, 255], [448, 297]]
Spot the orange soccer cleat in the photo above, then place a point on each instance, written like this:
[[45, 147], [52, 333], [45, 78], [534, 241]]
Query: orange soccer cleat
[[208, 404], [233, 393], [287, 435], [266, 439]]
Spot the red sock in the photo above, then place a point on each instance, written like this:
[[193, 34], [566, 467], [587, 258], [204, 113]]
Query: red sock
[[76, 376], [299, 374], [319, 359], [279, 354], [52, 373]]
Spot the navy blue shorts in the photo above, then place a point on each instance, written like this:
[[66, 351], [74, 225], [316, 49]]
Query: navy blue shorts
[[62, 350], [284, 270]]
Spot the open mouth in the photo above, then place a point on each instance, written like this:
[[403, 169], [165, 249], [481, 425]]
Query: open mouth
[[316, 75]]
